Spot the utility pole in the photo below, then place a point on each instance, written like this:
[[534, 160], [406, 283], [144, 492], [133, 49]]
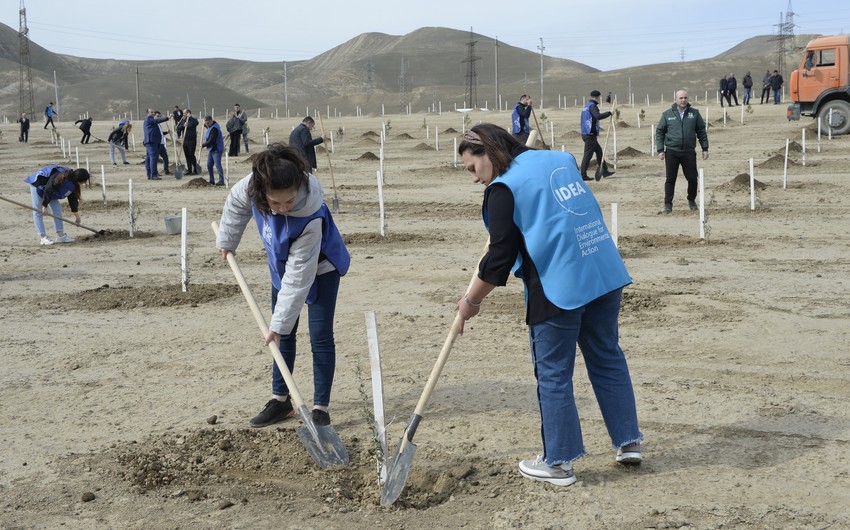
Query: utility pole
[[541, 48], [25, 103], [138, 103], [497, 101], [56, 92], [285, 92], [471, 75]]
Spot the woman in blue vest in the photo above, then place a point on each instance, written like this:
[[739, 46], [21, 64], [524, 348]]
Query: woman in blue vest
[[47, 186], [306, 257], [547, 228]]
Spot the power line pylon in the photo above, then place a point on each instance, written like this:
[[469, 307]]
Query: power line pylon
[[471, 75], [26, 103], [784, 38]]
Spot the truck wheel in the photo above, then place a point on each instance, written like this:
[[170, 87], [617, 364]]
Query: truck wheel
[[840, 116]]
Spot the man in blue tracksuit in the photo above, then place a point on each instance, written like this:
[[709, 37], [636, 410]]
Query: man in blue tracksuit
[[214, 142], [520, 126], [152, 141], [48, 116]]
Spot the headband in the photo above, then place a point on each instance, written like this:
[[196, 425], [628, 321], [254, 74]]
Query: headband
[[472, 138]]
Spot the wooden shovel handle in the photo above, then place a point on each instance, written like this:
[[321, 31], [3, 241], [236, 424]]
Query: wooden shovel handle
[[51, 215], [327, 152], [261, 322]]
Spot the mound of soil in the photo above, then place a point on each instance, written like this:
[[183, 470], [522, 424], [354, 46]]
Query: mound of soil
[[394, 237], [572, 135], [404, 136], [367, 142], [450, 130], [776, 162], [198, 183], [423, 147], [741, 183], [100, 206], [630, 152], [368, 155], [369, 134], [623, 125], [105, 297]]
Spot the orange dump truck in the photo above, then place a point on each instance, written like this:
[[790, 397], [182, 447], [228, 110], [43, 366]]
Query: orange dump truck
[[820, 87]]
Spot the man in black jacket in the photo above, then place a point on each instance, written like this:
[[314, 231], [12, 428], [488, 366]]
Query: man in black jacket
[[732, 88], [85, 126], [188, 127], [302, 139]]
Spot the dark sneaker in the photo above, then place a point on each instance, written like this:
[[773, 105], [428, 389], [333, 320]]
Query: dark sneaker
[[693, 206], [561, 475], [668, 209], [585, 177], [629, 454], [274, 412], [607, 173], [219, 183], [321, 418]]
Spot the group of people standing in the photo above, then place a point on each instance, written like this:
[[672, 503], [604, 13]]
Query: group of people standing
[[770, 83]]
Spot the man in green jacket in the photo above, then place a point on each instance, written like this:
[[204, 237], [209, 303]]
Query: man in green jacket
[[675, 139]]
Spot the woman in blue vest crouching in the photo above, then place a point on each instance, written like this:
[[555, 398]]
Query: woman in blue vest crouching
[[47, 186], [306, 257], [547, 228]]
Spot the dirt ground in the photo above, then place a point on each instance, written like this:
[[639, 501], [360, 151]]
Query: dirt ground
[[124, 402]]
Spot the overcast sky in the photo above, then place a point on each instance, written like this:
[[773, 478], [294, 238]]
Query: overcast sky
[[607, 34]]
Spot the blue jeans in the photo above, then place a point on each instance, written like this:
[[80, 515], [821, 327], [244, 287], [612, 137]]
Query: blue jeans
[[151, 159], [777, 95], [112, 147], [748, 93], [553, 348], [320, 315], [38, 217], [214, 159]]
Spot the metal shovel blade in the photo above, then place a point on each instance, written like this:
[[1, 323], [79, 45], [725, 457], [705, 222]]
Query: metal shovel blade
[[179, 171], [336, 204], [321, 441], [399, 468]]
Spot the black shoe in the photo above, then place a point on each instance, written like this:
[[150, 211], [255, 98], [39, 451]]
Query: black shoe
[[607, 173], [168, 172], [155, 178], [668, 209], [126, 163], [114, 164], [693, 206], [275, 411], [321, 418], [219, 183], [585, 177]]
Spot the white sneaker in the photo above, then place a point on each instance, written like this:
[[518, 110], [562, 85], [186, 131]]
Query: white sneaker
[[46, 241], [560, 475], [64, 239], [630, 454]]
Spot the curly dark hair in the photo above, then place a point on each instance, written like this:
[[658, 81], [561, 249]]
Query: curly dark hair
[[279, 167]]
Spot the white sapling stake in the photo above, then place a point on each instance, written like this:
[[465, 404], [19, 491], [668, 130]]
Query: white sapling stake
[[436, 138], [383, 225], [227, 170], [377, 391], [87, 165], [701, 204], [455, 152], [132, 218], [614, 223], [828, 125], [652, 140], [724, 116], [62, 141], [819, 129], [785, 172], [752, 187], [742, 114], [184, 282], [804, 146], [103, 183]]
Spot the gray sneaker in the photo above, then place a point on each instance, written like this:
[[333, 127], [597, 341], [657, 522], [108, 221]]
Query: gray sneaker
[[560, 475], [629, 454]]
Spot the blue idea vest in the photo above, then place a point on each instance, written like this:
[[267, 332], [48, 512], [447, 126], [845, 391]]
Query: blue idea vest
[[65, 189], [219, 144], [277, 231], [587, 120], [563, 229]]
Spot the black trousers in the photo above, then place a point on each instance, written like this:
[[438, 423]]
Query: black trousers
[[235, 138], [688, 161], [765, 94], [728, 98], [86, 137], [189, 151], [592, 147], [734, 94], [25, 135]]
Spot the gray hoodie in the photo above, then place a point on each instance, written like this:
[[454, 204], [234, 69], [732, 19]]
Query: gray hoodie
[[302, 264]]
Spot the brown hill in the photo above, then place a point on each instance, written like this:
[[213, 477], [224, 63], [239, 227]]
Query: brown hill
[[363, 71]]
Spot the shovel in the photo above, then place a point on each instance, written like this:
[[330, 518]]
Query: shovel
[[179, 169], [537, 124], [399, 468], [321, 441], [598, 175], [330, 167], [98, 232]]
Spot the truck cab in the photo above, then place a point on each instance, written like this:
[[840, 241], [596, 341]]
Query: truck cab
[[820, 87]]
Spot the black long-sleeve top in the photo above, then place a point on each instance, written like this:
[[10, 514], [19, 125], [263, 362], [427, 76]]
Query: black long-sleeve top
[[506, 241], [49, 184]]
